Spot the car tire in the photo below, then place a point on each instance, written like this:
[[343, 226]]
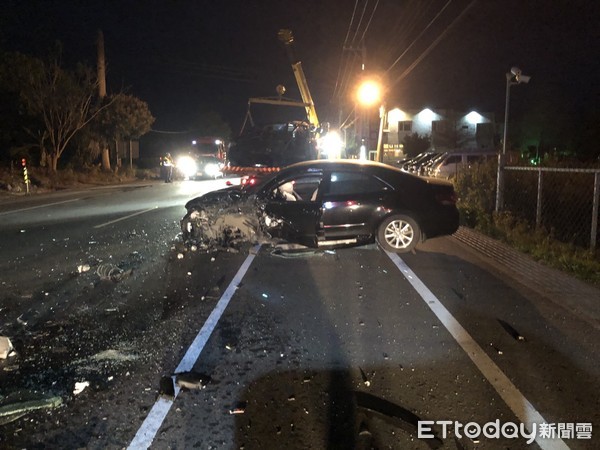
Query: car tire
[[398, 234]]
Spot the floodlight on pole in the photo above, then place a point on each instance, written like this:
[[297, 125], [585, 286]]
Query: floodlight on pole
[[515, 76]]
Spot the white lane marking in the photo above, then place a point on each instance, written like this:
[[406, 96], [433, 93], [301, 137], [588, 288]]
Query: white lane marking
[[126, 217], [14, 211], [511, 395], [145, 435]]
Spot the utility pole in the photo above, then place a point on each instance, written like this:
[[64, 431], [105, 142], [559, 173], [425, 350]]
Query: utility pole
[[101, 72], [101, 66], [361, 123]]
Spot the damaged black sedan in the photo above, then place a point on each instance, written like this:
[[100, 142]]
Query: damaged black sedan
[[325, 204]]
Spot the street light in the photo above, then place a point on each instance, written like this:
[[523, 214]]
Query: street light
[[369, 93], [515, 76]]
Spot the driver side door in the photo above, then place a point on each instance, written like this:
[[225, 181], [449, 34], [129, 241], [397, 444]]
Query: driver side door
[[293, 214]]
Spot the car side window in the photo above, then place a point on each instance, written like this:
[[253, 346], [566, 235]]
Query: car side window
[[303, 188], [354, 183]]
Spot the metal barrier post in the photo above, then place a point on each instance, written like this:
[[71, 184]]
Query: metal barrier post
[[538, 211], [25, 174], [500, 182]]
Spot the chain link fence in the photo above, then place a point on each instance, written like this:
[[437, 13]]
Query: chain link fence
[[562, 201]]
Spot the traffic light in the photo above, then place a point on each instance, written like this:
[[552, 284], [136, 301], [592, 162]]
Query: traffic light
[[23, 162]]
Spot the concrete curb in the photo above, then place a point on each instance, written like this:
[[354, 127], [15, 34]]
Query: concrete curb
[[566, 291]]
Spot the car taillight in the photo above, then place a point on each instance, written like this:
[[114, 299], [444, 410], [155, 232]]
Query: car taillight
[[447, 198]]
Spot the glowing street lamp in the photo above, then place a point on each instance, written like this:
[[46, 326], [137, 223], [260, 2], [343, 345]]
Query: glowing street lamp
[[515, 76], [369, 93]]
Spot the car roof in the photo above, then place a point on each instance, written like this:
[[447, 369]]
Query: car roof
[[384, 171], [342, 164]]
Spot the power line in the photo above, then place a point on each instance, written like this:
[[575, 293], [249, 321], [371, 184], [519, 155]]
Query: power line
[[419, 35], [348, 60], [434, 43], [362, 38], [351, 21], [359, 22], [337, 80]]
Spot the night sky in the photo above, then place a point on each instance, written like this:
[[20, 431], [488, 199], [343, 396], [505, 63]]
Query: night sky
[[183, 57]]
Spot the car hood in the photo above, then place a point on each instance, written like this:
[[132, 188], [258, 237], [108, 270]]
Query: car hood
[[227, 195]]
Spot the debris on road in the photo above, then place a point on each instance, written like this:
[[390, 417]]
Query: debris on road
[[240, 408], [364, 377], [395, 414], [295, 251], [14, 411], [21, 321], [212, 293], [111, 272], [510, 330], [496, 349], [167, 388], [80, 386], [192, 380], [6, 347], [83, 268], [114, 355]]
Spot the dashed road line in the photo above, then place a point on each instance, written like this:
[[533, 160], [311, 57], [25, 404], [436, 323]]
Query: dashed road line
[[511, 395], [126, 217], [14, 211], [146, 433]]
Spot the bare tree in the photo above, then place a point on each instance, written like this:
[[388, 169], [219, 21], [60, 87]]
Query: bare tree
[[62, 100]]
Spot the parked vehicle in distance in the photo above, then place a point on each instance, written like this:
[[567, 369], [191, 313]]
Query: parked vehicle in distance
[[325, 204], [426, 168], [414, 165], [453, 162]]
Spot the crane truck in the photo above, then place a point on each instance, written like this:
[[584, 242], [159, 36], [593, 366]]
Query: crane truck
[[270, 147]]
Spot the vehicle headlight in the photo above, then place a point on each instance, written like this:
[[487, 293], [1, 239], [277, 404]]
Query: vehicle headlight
[[211, 169], [331, 145], [187, 166]]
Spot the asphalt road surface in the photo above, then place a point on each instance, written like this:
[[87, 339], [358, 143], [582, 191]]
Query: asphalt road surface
[[122, 338]]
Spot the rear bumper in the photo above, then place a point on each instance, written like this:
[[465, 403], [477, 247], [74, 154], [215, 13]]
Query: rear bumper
[[442, 224]]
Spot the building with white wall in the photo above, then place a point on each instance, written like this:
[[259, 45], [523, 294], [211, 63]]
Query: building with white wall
[[448, 130]]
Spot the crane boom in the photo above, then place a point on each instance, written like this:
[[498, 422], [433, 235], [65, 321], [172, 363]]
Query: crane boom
[[287, 38]]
